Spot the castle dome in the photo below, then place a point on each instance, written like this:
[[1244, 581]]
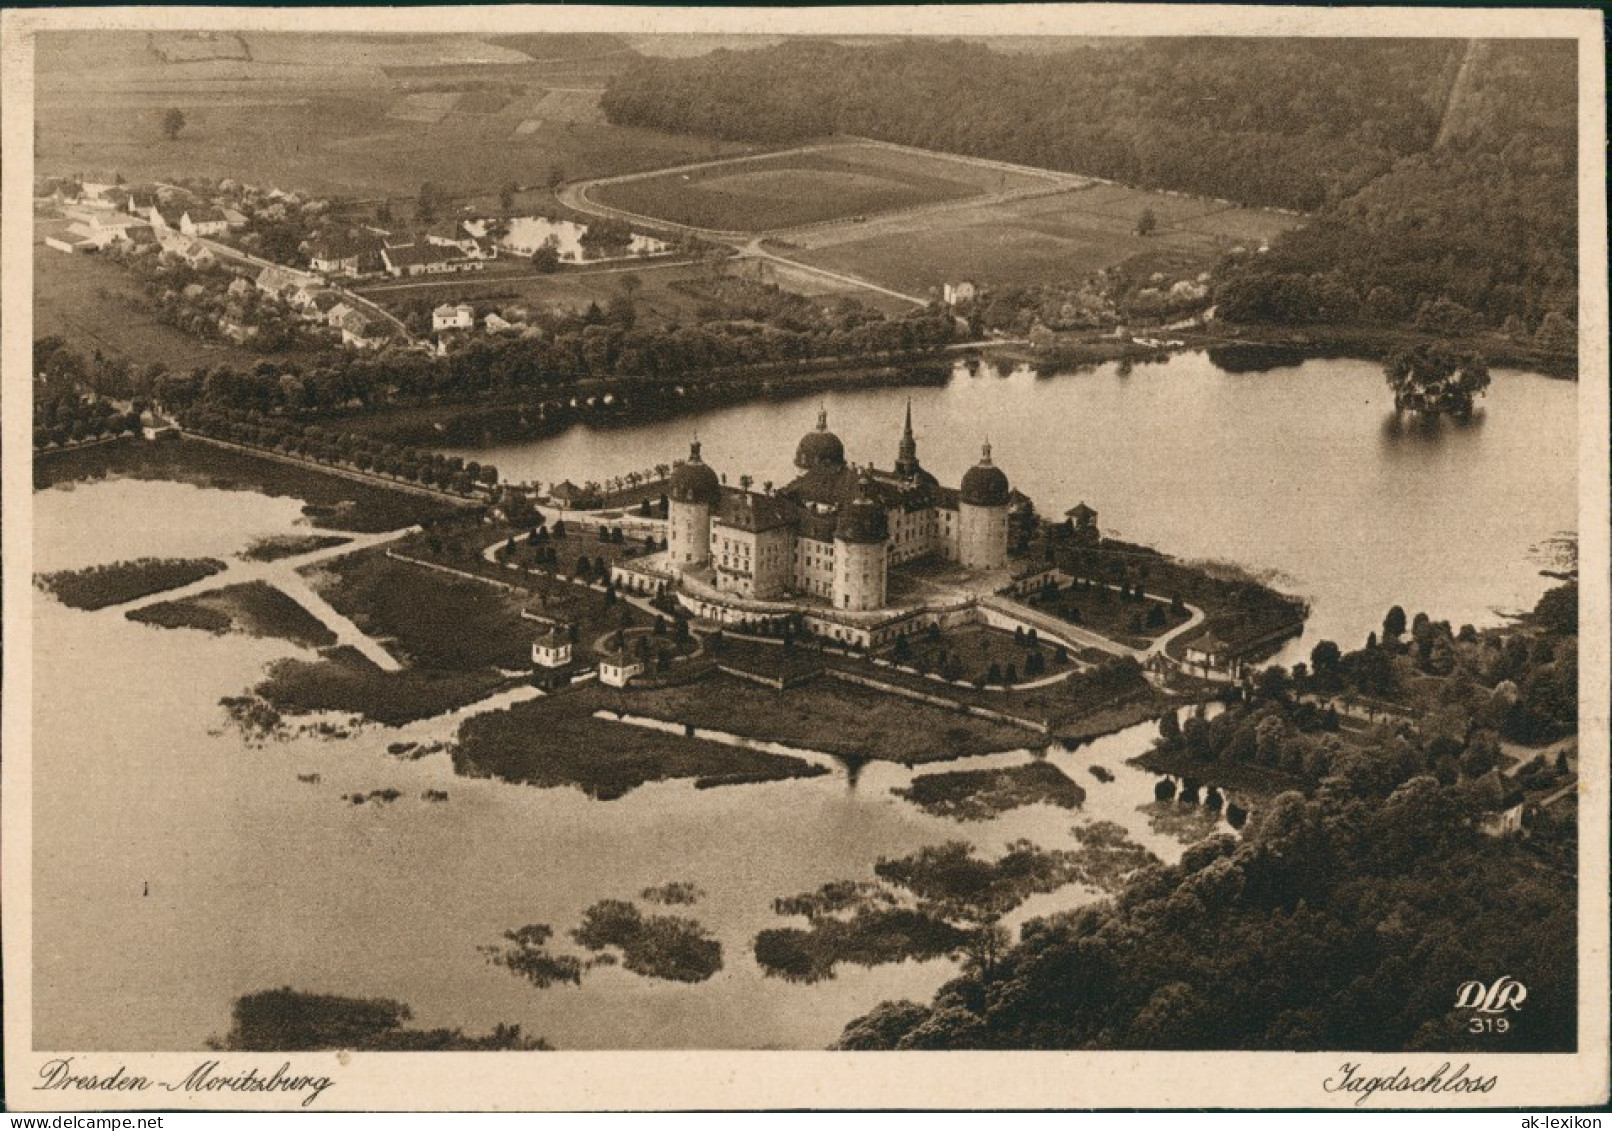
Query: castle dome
[[984, 485], [820, 447], [694, 481], [862, 521]]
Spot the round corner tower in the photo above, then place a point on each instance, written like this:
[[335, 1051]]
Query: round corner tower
[[861, 536], [983, 516], [694, 493]]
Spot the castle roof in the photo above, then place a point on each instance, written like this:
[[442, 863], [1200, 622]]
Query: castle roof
[[984, 484], [747, 510], [694, 482], [820, 447], [862, 521]]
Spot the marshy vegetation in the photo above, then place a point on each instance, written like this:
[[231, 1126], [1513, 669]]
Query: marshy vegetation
[[980, 795], [117, 583]]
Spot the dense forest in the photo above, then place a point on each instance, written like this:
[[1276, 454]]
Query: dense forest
[[1477, 233], [1346, 915], [1282, 122], [1441, 204]]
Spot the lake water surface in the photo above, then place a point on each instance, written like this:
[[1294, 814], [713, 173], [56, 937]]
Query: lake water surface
[[258, 880], [1304, 474]]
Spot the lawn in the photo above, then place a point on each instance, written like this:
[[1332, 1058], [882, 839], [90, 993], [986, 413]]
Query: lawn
[[429, 620], [255, 608], [790, 189], [1104, 611], [556, 741], [94, 305], [818, 716], [1063, 236], [332, 501], [971, 651]]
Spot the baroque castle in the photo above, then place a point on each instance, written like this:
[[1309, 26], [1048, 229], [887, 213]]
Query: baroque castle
[[834, 532]]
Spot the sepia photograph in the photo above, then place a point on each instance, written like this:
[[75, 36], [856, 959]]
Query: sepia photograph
[[711, 536]]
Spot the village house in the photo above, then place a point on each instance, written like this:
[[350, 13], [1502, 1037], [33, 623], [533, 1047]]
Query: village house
[[240, 288], [279, 281], [955, 293], [617, 668], [495, 324], [552, 649], [154, 426], [360, 331], [450, 317], [203, 220], [192, 253], [319, 306], [407, 260], [1209, 657], [343, 253]]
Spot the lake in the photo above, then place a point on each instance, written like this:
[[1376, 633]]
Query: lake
[[1303, 475], [259, 880]]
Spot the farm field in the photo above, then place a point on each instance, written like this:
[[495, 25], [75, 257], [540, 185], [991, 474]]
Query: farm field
[[339, 115], [806, 186], [1023, 242], [95, 306]]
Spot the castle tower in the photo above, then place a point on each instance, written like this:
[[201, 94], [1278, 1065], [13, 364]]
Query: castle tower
[[820, 448], [983, 515], [860, 555], [694, 493], [907, 455]]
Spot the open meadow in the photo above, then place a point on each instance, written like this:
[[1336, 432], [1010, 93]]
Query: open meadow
[[841, 181], [1045, 238]]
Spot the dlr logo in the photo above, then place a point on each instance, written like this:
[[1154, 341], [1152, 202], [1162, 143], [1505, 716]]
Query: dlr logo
[[1505, 993]]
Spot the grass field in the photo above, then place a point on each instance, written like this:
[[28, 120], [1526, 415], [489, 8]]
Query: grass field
[[1058, 237], [805, 187], [657, 301], [888, 727], [94, 305], [557, 742]]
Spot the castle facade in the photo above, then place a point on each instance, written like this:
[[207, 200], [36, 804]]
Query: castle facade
[[834, 532]]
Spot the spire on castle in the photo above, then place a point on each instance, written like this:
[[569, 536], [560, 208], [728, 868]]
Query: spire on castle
[[694, 449], [985, 452], [822, 418], [907, 458]]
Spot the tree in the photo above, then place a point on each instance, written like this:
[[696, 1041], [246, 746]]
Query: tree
[[506, 196], [173, 120], [428, 203], [1435, 378], [1394, 624], [1147, 223], [546, 260]]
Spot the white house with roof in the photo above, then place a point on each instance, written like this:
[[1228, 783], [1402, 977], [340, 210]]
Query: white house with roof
[[203, 220], [453, 317], [617, 669], [954, 293], [552, 649]]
